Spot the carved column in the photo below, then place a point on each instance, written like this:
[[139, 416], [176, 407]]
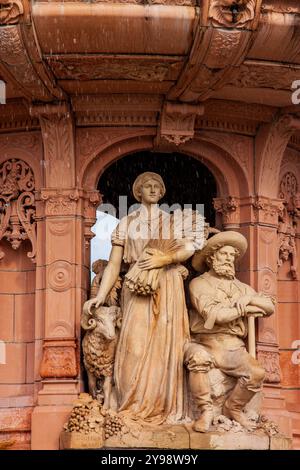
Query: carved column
[[266, 212], [67, 213], [259, 223]]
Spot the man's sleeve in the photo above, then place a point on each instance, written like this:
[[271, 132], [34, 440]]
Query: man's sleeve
[[206, 305], [118, 235], [251, 291]]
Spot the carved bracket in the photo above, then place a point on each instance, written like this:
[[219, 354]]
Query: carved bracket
[[17, 205], [223, 37], [177, 123]]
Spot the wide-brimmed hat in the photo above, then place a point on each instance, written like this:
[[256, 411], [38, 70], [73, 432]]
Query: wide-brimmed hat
[[230, 238]]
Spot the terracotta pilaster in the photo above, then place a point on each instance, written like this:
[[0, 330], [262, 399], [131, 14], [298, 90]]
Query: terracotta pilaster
[[66, 214], [259, 223]]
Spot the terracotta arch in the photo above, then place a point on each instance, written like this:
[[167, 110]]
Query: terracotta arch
[[222, 165]]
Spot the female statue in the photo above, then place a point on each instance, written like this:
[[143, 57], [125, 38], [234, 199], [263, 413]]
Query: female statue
[[148, 371]]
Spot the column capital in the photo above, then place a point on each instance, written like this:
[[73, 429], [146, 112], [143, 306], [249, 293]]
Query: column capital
[[69, 202]]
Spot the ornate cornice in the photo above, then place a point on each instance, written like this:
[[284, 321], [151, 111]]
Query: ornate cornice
[[279, 6], [258, 74], [115, 67]]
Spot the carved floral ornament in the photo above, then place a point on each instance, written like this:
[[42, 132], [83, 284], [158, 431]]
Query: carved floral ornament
[[10, 11], [229, 208], [270, 362], [288, 222], [232, 13], [17, 205], [177, 123]]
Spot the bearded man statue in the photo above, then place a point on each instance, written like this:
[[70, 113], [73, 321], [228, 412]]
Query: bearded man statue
[[218, 324]]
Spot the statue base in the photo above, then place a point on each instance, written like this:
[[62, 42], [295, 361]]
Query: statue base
[[78, 440], [177, 437]]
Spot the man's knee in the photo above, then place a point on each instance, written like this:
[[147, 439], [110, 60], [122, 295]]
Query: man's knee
[[256, 374], [197, 359]]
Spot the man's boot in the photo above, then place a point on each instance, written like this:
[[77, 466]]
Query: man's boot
[[235, 404], [200, 388]]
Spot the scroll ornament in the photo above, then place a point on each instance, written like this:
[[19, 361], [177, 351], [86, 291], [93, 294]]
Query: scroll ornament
[[17, 205]]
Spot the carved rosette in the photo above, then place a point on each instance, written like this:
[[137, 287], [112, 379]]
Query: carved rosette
[[232, 13], [17, 205], [229, 208], [177, 124], [60, 276], [59, 359], [10, 12], [270, 362]]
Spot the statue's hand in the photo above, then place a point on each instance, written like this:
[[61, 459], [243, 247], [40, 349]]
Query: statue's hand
[[96, 301], [242, 303], [153, 260], [254, 311]]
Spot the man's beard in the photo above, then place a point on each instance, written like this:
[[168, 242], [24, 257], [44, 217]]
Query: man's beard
[[224, 269]]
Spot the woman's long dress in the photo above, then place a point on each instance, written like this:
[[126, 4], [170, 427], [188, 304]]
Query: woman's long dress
[[149, 371]]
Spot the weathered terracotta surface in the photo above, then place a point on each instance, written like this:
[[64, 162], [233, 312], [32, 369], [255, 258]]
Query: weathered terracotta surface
[[87, 102]]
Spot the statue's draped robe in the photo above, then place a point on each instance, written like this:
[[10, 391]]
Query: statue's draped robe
[[149, 373]]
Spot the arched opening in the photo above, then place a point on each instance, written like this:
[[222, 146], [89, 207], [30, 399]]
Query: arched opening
[[187, 181]]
